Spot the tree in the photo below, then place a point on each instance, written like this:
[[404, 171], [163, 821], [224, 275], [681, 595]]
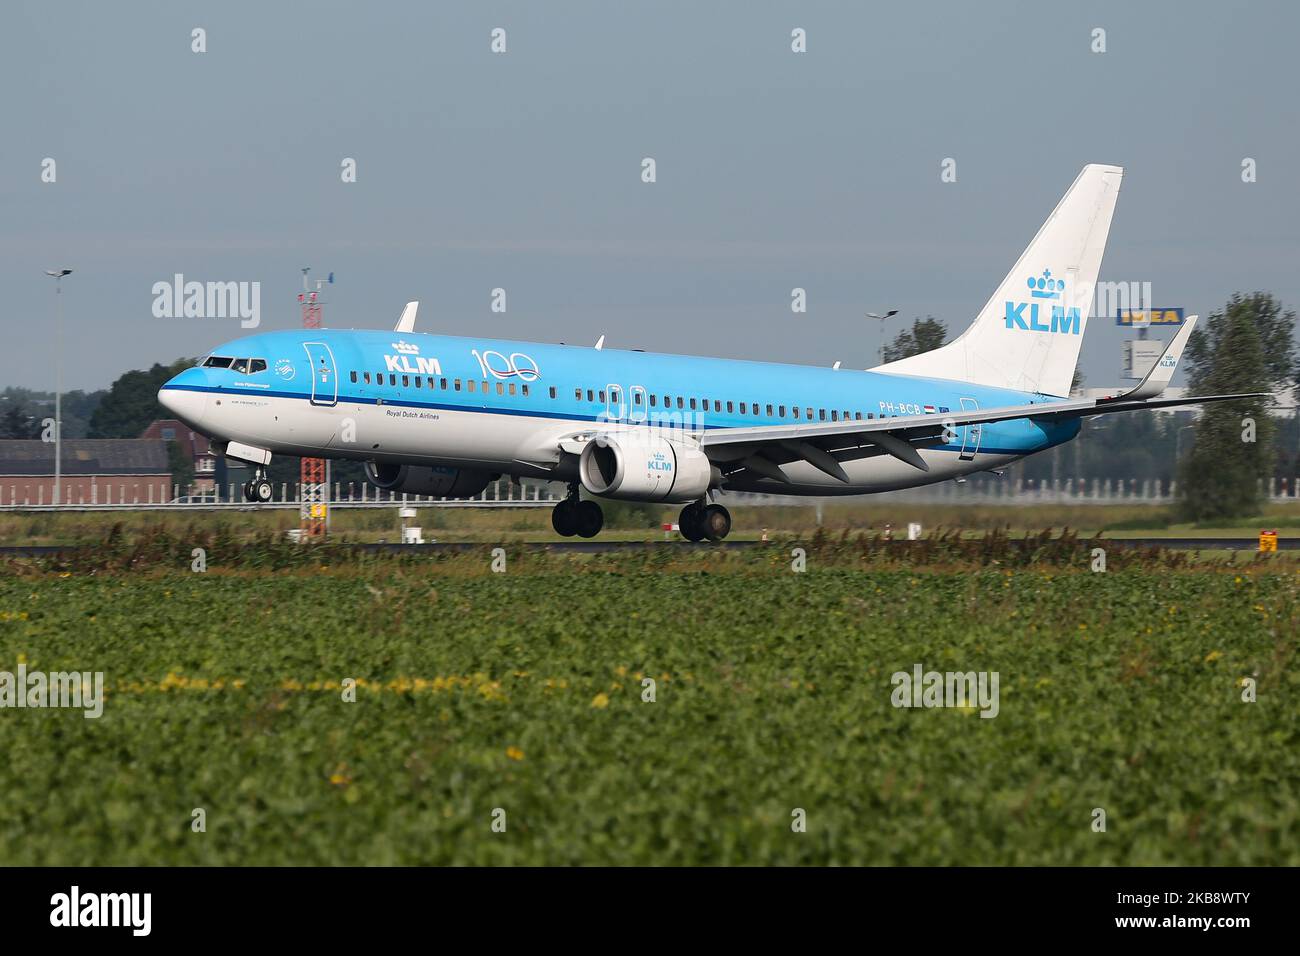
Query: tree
[[17, 422], [925, 335], [132, 402], [1245, 348]]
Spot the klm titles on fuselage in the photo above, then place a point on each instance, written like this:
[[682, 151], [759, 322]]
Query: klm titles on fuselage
[[402, 362], [1027, 315]]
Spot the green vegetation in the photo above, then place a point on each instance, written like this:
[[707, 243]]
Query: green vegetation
[[1246, 348], [638, 522], [523, 691]]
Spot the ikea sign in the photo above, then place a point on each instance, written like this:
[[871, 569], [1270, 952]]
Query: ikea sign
[[1144, 318]]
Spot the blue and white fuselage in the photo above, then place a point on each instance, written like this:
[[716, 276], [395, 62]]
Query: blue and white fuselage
[[504, 407]]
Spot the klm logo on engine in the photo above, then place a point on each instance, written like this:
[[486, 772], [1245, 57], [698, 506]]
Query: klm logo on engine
[[1034, 317], [658, 463]]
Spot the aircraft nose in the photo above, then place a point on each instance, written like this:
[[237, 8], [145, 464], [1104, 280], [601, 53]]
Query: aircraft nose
[[185, 396]]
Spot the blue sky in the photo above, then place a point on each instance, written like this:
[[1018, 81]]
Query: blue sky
[[522, 171]]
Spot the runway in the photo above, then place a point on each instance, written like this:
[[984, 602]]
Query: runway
[[597, 546]]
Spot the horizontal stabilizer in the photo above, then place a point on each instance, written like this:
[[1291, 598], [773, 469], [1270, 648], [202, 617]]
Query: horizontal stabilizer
[[1163, 371]]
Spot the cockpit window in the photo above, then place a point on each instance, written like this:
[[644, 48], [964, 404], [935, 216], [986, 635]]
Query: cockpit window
[[257, 365], [240, 365], [217, 361]]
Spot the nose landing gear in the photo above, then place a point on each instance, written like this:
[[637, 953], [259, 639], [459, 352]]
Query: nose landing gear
[[700, 522], [258, 488], [574, 516]]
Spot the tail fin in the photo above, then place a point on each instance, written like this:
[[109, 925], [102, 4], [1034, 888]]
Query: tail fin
[[1029, 333]]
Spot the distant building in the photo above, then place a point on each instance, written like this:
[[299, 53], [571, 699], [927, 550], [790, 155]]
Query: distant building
[[194, 446], [95, 471]]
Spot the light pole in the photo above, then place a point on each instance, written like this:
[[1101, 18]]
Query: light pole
[[880, 354], [57, 275]]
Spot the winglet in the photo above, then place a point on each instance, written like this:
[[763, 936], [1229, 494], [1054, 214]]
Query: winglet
[[600, 343], [1163, 371], [407, 322]]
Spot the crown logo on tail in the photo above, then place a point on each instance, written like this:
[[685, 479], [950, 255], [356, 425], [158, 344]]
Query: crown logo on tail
[[1045, 287]]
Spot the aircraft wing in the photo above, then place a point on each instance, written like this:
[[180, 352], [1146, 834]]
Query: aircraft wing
[[825, 444]]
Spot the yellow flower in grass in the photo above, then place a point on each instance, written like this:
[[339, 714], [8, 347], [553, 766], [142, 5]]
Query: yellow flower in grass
[[600, 701], [514, 753]]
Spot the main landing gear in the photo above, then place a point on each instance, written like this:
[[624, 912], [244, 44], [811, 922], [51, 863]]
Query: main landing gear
[[700, 522], [574, 516], [258, 488]]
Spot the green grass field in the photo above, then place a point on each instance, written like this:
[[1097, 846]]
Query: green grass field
[[522, 691]]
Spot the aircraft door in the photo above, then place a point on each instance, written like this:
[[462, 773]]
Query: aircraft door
[[640, 409], [970, 434], [324, 374], [615, 403]]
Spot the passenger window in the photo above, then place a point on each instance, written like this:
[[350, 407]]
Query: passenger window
[[406, 381], [680, 403], [392, 380], [577, 394], [810, 414], [781, 410], [552, 392], [871, 415], [501, 389], [354, 378], [692, 404], [602, 395], [742, 408], [636, 398], [418, 381], [589, 396], [769, 411], [366, 377], [653, 400], [835, 416], [456, 385], [485, 388], [259, 365], [512, 389], [730, 407], [442, 384], [796, 411], [471, 385]]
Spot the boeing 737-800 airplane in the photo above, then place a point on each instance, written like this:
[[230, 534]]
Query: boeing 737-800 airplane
[[443, 416]]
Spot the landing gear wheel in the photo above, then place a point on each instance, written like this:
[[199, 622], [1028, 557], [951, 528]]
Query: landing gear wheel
[[564, 518], [689, 522], [248, 491], [715, 523], [590, 519], [262, 490]]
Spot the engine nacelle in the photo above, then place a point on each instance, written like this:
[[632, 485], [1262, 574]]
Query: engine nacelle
[[644, 469], [427, 480]]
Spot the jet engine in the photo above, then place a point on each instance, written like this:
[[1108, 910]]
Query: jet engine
[[644, 469], [427, 480]]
